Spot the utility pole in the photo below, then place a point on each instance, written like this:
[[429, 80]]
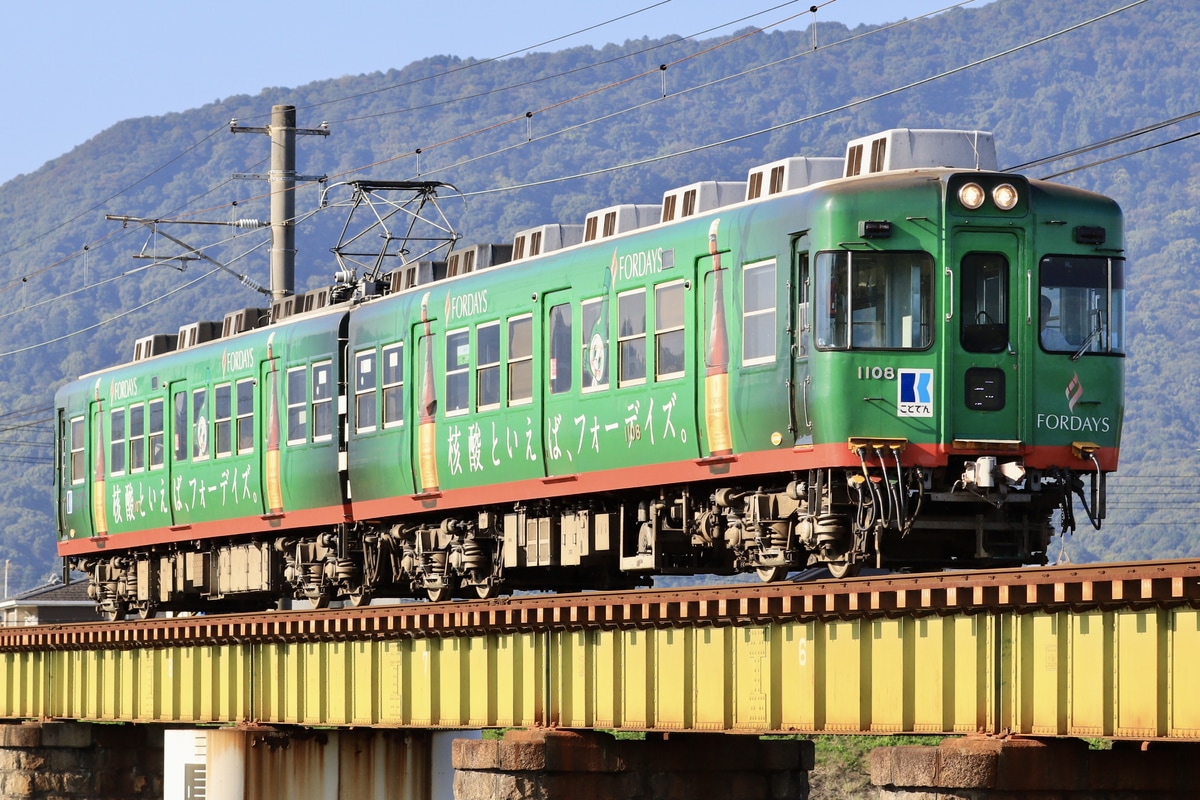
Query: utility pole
[[282, 177]]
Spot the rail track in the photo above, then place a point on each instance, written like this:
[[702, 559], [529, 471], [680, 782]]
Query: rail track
[[1021, 590]]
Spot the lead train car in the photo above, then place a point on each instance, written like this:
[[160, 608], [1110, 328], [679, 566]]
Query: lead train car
[[911, 365]]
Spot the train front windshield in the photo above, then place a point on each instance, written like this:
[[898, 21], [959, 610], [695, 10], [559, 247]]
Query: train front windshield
[[1082, 305], [874, 300]]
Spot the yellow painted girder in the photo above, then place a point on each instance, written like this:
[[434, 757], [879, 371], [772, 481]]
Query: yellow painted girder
[[1116, 673]]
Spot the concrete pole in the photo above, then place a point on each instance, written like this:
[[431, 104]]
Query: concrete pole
[[283, 201]]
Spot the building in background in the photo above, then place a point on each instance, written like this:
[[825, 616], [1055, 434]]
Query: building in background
[[55, 602]]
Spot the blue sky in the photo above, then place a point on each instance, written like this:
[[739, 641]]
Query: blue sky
[[75, 67]]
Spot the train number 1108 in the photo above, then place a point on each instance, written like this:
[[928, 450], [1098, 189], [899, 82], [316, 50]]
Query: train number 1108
[[876, 373]]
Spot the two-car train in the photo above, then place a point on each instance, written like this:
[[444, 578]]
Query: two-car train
[[903, 357]]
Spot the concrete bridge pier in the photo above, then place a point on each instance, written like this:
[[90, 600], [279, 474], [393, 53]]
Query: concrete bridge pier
[[984, 768], [592, 765]]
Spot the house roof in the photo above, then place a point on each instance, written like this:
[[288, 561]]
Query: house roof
[[73, 592]]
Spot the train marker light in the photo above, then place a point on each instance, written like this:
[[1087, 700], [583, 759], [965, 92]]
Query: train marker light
[[971, 195], [1005, 196], [874, 229]]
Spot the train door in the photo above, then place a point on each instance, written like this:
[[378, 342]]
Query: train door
[[424, 457], [98, 498], [800, 328], [563, 356], [177, 395], [983, 391]]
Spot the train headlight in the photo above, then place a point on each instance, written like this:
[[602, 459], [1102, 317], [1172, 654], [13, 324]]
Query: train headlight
[[1005, 196], [971, 195]]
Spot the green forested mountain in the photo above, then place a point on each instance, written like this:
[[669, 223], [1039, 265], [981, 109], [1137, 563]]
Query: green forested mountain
[[1045, 76]]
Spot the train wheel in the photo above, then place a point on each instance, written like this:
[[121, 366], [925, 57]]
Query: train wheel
[[843, 569], [116, 613], [487, 591], [145, 610], [772, 574], [439, 594], [359, 597], [316, 596]]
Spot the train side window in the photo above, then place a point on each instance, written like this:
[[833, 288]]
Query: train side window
[[804, 306], [561, 372], [758, 313], [631, 337], [78, 466], [223, 419], [874, 301], [200, 424], [297, 405], [180, 428], [137, 437], [520, 360], [668, 330], [116, 442], [364, 391], [458, 371], [1081, 304], [322, 398], [393, 385], [487, 366], [594, 316], [245, 416], [832, 302], [154, 440]]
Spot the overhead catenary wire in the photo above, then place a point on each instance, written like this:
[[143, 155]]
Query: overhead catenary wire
[[22, 281], [754, 133]]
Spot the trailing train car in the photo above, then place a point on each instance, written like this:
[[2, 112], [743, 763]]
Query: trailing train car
[[901, 358]]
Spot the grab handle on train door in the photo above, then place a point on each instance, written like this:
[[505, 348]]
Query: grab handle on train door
[[950, 295], [1029, 296]]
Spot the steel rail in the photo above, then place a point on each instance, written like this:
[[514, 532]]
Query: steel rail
[[1023, 590]]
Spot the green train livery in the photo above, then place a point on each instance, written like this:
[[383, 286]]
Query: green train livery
[[901, 358]]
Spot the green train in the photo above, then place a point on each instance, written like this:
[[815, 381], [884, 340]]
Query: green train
[[901, 358]]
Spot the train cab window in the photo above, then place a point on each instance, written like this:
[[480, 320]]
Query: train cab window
[[297, 405], [393, 385], [758, 313], [594, 316], [364, 391], [155, 434], [200, 424], [458, 371], [487, 366], [77, 443], [180, 427], [223, 419], [322, 401], [1082, 305], [520, 360], [668, 330], [137, 437], [874, 301], [116, 442], [245, 416], [631, 337], [561, 372], [984, 301]]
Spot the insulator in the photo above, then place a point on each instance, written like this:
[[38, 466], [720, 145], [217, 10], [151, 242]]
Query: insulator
[[249, 224]]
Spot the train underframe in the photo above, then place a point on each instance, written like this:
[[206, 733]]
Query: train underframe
[[968, 514]]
